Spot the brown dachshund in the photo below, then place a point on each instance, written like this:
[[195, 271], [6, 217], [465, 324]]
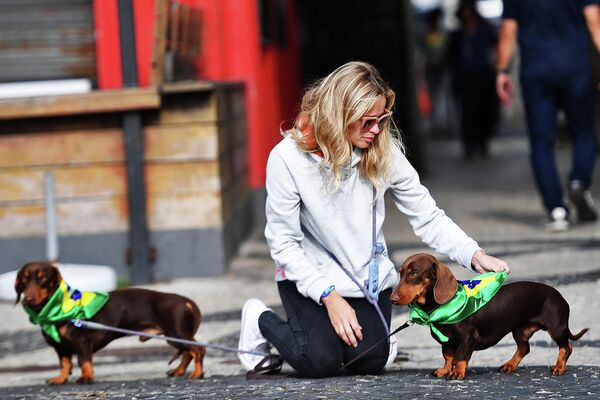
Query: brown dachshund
[[521, 308], [134, 309]]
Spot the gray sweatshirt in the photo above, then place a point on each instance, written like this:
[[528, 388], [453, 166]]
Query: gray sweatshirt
[[306, 219]]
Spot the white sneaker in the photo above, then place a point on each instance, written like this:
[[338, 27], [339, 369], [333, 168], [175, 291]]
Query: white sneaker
[[393, 352], [250, 337], [559, 221]]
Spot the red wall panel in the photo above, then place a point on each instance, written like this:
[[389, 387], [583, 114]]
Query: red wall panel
[[108, 47], [231, 51], [108, 56]]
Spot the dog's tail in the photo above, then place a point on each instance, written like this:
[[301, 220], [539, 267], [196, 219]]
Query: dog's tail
[[176, 356], [580, 334]]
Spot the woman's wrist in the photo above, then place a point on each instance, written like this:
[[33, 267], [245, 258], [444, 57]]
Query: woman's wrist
[[475, 260], [326, 293], [503, 69]]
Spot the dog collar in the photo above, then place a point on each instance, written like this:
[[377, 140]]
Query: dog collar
[[65, 304], [470, 296]]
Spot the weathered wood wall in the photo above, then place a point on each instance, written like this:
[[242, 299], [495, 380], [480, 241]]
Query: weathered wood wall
[[195, 171]]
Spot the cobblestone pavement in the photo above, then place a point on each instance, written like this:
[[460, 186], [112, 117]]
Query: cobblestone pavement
[[483, 383], [493, 200]]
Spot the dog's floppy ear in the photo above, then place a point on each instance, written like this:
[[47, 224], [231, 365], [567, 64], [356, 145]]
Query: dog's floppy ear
[[53, 279], [19, 285], [445, 285]]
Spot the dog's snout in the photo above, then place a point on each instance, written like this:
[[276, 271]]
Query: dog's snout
[[29, 300], [32, 296]]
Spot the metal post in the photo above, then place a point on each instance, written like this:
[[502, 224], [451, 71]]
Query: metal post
[[134, 153], [51, 235]]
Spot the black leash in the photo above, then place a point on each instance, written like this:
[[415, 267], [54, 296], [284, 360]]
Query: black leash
[[405, 325], [270, 366]]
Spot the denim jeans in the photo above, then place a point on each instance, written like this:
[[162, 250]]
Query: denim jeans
[[543, 95], [308, 342]]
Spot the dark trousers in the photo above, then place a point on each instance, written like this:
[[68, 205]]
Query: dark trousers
[[543, 96], [308, 342], [479, 109]]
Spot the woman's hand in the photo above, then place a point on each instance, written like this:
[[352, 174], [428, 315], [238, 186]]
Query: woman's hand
[[343, 319], [484, 263]]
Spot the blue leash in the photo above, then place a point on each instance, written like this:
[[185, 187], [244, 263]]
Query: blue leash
[[80, 323], [371, 287]]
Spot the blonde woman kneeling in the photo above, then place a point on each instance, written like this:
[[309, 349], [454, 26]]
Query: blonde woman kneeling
[[322, 180]]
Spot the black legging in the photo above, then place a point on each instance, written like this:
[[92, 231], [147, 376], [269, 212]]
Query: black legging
[[308, 342]]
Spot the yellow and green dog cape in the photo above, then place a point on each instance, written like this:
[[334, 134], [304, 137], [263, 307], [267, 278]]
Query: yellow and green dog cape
[[470, 296], [66, 304]]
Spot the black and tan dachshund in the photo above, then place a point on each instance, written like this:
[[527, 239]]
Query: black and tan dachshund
[[521, 308], [134, 309]]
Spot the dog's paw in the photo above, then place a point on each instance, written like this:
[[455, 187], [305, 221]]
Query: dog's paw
[[556, 370], [507, 368], [456, 375], [85, 380], [459, 371], [176, 372], [59, 380], [441, 372], [195, 375]]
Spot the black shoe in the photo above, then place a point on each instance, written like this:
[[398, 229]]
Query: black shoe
[[582, 200]]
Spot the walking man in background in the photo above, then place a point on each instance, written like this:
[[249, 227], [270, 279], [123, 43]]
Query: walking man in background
[[555, 73]]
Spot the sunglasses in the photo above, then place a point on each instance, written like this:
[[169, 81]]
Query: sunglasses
[[381, 121]]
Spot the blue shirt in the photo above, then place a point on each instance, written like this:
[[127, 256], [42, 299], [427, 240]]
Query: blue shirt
[[552, 35]]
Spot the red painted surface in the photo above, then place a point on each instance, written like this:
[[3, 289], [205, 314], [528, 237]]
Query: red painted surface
[[108, 48], [108, 56], [144, 12], [232, 51]]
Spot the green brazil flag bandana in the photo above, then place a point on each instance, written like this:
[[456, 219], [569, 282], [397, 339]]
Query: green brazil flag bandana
[[66, 304], [470, 296]]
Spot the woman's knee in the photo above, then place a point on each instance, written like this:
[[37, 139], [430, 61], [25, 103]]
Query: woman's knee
[[369, 366], [324, 365], [373, 362], [318, 366]]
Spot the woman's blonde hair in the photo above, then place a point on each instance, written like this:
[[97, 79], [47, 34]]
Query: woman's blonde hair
[[330, 105]]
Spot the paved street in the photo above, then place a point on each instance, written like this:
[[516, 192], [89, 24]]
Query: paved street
[[483, 383], [493, 200]]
